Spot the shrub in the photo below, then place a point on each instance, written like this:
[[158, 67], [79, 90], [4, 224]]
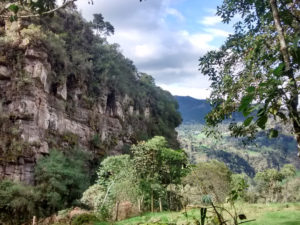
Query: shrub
[[61, 178], [84, 219], [17, 202]]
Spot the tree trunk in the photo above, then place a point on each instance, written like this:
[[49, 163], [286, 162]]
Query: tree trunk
[[139, 205], [117, 210], [220, 217], [160, 205], [170, 201], [152, 202], [34, 221], [292, 102]]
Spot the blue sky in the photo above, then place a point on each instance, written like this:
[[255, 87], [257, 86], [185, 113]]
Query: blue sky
[[165, 38]]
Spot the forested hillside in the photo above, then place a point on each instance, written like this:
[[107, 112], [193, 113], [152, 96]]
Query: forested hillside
[[193, 110], [260, 154]]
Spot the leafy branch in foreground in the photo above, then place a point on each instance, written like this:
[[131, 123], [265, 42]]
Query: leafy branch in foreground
[[256, 71], [31, 8]]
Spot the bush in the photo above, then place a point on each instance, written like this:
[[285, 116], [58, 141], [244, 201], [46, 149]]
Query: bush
[[61, 178], [84, 219], [17, 202]]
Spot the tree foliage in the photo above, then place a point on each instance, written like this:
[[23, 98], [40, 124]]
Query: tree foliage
[[61, 179], [208, 178], [30, 8], [158, 165], [141, 179], [256, 70], [17, 202], [269, 182]]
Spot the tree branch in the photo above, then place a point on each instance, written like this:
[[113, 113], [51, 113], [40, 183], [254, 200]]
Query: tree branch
[[293, 101], [42, 14], [283, 45]]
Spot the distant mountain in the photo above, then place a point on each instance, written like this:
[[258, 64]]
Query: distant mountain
[[193, 110], [264, 153]]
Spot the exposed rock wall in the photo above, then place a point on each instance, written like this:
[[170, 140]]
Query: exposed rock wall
[[63, 87], [45, 117]]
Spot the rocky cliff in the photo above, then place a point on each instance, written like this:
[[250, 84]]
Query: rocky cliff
[[46, 105]]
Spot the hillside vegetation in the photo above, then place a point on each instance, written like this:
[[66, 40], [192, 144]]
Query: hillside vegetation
[[239, 154]]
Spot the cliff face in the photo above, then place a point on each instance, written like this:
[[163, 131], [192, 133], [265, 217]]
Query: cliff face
[[41, 111]]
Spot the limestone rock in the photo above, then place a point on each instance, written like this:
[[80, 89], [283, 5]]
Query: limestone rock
[[35, 54], [37, 70], [43, 116], [147, 113], [131, 110], [5, 73], [62, 91]]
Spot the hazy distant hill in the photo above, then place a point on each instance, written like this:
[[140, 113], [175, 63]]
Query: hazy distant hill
[[193, 110], [264, 153]]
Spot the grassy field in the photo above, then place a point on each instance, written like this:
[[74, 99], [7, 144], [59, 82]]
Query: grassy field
[[270, 214]]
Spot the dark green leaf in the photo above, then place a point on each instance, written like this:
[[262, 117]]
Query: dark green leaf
[[248, 121], [263, 84], [278, 71], [261, 112], [261, 121], [251, 89], [282, 116], [245, 102], [273, 133], [13, 18], [14, 8]]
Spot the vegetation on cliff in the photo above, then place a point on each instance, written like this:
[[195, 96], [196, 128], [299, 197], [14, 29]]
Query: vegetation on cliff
[[86, 71]]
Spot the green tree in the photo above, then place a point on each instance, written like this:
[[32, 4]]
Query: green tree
[[157, 166], [102, 26], [208, 178], [270, 182], [257, 69], [118, 172], [117, 182], [239, 185], [61, 179], [17, 202]]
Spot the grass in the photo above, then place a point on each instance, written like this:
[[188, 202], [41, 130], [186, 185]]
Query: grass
[[264, 214], [273, 214], [278, 218]]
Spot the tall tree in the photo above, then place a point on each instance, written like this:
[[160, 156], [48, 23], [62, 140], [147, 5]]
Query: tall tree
[[157, 166], [256, 71]]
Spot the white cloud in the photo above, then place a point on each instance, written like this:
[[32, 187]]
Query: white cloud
[[210, 20], [170, 55], [201, 41], [175, 13], [178, 89], [144, 51], [217, 32]]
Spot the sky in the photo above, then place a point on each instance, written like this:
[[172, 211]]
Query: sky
[[165, 38]]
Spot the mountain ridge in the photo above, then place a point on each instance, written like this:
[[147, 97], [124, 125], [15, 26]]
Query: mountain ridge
[[192, 109]]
